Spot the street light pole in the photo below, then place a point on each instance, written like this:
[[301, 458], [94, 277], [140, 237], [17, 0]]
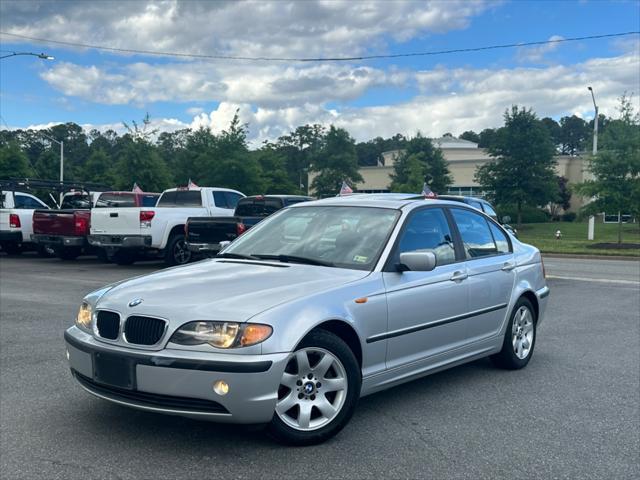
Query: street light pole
[[42, 56], [595, 123], [61, 143]]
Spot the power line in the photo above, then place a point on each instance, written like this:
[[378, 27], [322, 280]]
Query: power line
[[317, 59]]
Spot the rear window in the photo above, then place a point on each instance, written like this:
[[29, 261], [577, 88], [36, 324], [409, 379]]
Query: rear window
[[75, 202], [181, 198], [116, 200], [258, 207]]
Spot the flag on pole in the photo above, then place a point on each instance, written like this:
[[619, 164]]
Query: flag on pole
[[427, 192], [345, 189], [137, 189], [191, 185]]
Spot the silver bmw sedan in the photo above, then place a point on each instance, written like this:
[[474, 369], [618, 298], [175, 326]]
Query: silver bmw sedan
[[316, 306]]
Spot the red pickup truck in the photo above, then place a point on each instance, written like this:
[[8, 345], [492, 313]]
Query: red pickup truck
[[66, 230]]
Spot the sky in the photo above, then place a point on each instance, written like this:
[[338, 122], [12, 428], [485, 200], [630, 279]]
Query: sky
[[430, 94]]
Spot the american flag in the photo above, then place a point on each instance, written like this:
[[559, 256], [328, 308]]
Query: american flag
[[345, 189], [191, 185], [137, 189], [427, 192]]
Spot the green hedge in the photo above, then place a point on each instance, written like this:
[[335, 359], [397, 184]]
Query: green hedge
[[529, 214]]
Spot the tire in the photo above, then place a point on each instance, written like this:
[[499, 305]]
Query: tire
[[176, 252], [12, 248], [124, 257], [297, 391], [68, 253], [102, 255], [519, 338]]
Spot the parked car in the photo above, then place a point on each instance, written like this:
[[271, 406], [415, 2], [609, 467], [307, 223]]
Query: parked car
[[319, 304], [125, 234], [482, 205], [16, 220], [66, 230], [204, 234]]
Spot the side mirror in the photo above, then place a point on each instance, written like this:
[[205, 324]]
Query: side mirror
[[417, 261], [506, 219]]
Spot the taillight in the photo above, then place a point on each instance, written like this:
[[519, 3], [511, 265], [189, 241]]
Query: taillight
[[81, 225], [145, 218], [14, 221], [240, 228]]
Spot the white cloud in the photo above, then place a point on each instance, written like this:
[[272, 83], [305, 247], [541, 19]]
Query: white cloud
[[266, 85], [482, 95], [536, 54], [249, 28]]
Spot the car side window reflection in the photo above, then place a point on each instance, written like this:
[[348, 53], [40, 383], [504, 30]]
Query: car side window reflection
[[475, 233], [428, 231]]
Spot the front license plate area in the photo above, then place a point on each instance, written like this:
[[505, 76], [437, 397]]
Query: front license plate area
[[113, 370]]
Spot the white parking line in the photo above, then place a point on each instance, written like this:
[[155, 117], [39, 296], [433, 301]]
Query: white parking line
[[588, 279]]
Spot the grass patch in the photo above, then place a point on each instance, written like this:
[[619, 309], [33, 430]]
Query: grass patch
[[574, 237]]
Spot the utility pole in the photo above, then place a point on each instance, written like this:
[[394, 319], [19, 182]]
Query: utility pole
[[595, 123]]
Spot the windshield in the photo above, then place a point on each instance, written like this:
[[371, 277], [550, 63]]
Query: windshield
[[345, 237]]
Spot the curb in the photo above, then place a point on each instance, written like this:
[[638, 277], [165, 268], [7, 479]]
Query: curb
[[590, 257]]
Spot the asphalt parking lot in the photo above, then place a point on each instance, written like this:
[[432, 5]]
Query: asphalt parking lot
[[572, 413]]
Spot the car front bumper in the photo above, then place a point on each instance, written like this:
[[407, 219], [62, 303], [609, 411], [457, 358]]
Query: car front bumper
[[120, 241], [178, 382], [58, 240]]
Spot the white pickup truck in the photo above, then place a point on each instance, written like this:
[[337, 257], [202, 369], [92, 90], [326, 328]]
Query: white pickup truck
[[126, 233], [16, 220]]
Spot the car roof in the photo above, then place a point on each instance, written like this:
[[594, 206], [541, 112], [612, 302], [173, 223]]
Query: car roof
[[380, 200], [462, 198]]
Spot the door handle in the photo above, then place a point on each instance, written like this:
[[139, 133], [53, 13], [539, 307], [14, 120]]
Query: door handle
[[459, 276], [508, 266]]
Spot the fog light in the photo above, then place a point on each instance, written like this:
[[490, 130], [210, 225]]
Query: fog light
[[221, 387]]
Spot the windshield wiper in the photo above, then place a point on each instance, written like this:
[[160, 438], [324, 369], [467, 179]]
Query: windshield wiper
[[237, 255], [293, 259]]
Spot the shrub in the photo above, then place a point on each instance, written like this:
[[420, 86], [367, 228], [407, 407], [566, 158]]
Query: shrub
[[569, 217], [529, 214]]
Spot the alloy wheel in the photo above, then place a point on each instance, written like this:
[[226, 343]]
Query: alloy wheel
[[522, 332], [180, 253], [313, 389]]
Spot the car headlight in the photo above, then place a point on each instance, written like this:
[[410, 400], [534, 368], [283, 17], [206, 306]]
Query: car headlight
[[222, 334], [85, 314]]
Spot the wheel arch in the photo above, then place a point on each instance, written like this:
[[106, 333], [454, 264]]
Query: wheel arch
[[531, 296], [175, 229], [345, 332]]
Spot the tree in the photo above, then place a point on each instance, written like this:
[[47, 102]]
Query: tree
[[522, 172], [336, 162], [563, 200], [574, 134], [487, 137], [420, 162], [99, 168], [615, 186], [471, 136], [300, 148], [273, 165], [13, 161], [555, 131], [138, 161]]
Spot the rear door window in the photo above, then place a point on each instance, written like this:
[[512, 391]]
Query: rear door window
[[475, 233], [488, 209]]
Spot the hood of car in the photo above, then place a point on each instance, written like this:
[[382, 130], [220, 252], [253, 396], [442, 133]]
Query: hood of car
[[221, 289]]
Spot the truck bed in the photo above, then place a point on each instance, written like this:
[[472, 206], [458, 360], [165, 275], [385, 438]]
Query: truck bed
[[212, 230]]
